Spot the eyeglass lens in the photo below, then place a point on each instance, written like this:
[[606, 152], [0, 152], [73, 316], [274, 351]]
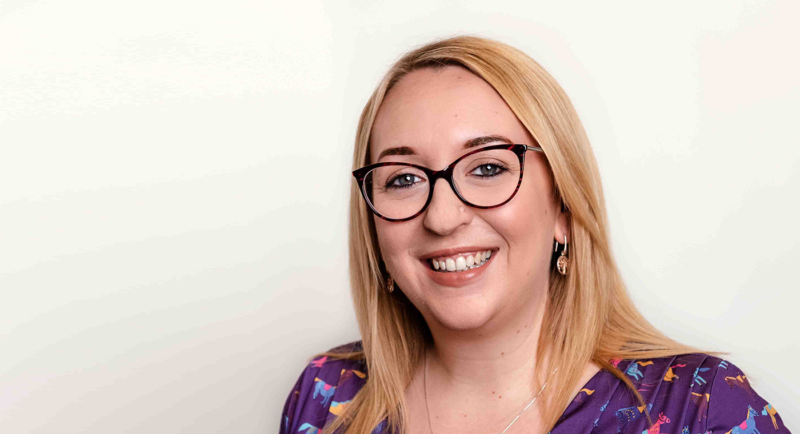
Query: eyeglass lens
[[486, 178]]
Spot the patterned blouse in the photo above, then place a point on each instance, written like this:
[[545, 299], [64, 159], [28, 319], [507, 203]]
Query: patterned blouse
[[685, 394]]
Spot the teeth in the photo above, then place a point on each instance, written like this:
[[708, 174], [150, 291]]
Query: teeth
[[461, 263]]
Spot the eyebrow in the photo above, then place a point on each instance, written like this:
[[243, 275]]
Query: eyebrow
[[471, 143]]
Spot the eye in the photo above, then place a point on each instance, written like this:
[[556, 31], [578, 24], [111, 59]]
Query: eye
[[403, 180], [488, 170]]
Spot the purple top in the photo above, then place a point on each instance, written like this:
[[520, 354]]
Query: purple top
[[685, 394]]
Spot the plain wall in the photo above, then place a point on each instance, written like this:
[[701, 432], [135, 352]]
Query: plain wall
[[174, 180]]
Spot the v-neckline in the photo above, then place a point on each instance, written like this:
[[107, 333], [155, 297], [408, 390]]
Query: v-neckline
[[570, 408]]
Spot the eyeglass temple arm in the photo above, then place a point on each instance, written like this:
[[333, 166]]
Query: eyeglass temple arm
[[533, 148]]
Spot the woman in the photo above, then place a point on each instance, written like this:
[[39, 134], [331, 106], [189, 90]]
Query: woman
[[482, 277]]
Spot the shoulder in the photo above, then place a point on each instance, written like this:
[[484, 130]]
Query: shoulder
[[323, 389], [733, 402], [698, 392]]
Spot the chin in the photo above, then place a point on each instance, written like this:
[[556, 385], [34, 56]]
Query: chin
[[462, 316]]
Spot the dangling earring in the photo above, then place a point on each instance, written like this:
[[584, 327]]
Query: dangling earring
[[563, 260], [390, 284]]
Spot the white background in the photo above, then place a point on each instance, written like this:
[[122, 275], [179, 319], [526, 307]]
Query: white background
[[174, 182]]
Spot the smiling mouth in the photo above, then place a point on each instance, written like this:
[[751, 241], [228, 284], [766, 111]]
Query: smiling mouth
[[461, 262]]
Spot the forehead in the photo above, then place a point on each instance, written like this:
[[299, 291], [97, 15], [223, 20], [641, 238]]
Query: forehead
[[435, 112]]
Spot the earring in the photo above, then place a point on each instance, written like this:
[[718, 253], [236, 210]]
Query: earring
[[390, 284], [563, 260]]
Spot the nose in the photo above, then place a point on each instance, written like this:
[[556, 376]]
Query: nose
[[446, 212]]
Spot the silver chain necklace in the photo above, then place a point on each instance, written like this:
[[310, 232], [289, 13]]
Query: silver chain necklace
[[425, 388]]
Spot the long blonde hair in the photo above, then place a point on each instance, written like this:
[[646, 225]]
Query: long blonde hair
[[589, 315]]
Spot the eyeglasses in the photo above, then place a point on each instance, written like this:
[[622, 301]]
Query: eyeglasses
[[484, 178]]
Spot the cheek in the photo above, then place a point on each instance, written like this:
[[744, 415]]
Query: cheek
[[528, 221], [392, 240]]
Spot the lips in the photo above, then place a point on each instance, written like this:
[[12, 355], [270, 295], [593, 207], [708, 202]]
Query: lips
[[460, 274]]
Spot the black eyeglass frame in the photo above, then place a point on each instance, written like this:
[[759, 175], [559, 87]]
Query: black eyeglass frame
[[446, 174]]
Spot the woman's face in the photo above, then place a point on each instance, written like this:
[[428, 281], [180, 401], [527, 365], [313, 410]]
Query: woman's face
[[433, 113]]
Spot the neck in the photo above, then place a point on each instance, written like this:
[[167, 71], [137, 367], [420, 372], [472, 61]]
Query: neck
[[496, 360]]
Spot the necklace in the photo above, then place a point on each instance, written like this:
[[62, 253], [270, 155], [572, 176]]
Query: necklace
[[425, 388]]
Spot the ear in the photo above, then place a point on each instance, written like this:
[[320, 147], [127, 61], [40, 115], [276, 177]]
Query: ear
[[561, 229]]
